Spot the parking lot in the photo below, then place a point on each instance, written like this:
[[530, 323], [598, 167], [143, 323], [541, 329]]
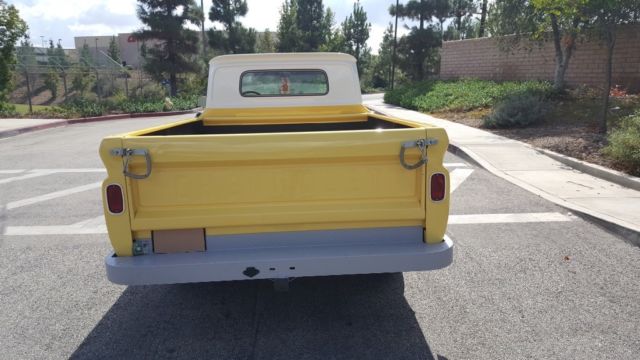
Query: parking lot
[[529, 280]]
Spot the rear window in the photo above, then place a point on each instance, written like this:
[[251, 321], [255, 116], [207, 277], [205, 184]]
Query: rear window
[[257, 83]]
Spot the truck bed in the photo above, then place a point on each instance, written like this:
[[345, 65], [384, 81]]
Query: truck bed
[[199, 127]]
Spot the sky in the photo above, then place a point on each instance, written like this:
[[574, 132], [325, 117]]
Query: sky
[[61, 20]]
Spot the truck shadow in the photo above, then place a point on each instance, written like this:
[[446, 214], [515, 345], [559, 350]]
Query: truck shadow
[[344, 317]]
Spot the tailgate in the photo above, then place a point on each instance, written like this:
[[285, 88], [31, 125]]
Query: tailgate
[[247, 183]]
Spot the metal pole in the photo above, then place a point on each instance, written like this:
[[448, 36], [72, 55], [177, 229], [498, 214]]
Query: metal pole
[[395, 44], [26, 74]]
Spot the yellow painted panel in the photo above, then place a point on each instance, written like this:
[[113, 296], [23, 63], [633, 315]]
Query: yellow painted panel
[[248, 183]]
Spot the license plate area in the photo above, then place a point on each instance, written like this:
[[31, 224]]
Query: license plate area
[[178, 241]]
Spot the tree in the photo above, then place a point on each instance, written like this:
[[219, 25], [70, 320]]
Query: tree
[[114, 50], [288, 32], [417, 51], [356, 33], [58, 62], [334, 40], [174, 46], [266, 43], [51, 82], [381, 68], [311, 24], [607, 16], [83, 77], [12, 28], [234, 38], [535, 19], [26, 61], [462, 10]]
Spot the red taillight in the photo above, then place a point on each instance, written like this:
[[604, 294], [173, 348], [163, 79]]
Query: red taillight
[[115, 200], [438, 187]]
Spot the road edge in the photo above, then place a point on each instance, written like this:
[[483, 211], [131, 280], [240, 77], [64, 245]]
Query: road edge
[[65, 122]]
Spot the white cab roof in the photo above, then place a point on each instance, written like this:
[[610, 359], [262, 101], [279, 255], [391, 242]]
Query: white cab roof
[[223, 89]]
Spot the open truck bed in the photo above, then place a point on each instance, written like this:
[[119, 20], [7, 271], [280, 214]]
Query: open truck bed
[[276, 192]]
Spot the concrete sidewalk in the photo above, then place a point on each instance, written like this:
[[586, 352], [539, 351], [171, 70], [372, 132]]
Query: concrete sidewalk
[[611, 205], [10, 127]]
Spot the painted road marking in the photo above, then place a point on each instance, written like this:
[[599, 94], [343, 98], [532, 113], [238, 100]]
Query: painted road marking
[[43, 172], [52, 195], [97, 225], [458, 176], [453, 165], [18, 171], [92, 226], [507, 218]]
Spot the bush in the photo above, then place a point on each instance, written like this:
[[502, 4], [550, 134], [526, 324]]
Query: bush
[[624, 144], [83, 107], [7, 110], [517, 110], [462, 95]]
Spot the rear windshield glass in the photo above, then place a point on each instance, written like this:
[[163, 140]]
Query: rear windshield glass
[[256, 83]]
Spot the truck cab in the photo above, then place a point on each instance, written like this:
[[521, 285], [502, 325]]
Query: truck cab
[[284, 174]]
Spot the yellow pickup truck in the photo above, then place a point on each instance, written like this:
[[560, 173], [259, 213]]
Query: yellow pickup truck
[[284, 174]]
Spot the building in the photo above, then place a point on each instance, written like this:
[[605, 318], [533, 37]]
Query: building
[[130, 53]]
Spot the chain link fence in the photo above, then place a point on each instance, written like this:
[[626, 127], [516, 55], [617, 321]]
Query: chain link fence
[[45, 78]]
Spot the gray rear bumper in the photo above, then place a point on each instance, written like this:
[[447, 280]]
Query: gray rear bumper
[[280, 262]]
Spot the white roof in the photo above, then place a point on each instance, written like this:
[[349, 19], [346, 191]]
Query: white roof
[[225, 74], [281, 57]]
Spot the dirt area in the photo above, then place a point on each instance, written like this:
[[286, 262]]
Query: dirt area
[[574, 136]]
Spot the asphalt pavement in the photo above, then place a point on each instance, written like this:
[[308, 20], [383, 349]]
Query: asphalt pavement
[[529, 280]]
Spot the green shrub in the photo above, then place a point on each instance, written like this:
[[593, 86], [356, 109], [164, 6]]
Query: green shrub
[[462, 95], [624, 144], [7, 110], [517, 110], [83, 107]]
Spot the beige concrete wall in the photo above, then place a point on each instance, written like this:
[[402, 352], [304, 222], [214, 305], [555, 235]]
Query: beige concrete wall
[[483, 59]]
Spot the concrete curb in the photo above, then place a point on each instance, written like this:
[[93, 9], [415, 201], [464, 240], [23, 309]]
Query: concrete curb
[[598, 171], [629, 232], [54, 124]]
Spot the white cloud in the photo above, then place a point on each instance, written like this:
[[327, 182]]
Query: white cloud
[[64, 19]]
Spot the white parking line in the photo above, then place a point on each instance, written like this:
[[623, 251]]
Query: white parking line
[[453, 165], [507, 218], [92, 226], [43, 172], [17, 171], [458, 176], [52, 195]]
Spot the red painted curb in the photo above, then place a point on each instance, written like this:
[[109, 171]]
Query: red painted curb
[[14, 132]]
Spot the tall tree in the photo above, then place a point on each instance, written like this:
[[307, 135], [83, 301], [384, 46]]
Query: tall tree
[[173, 45], [234, 38], [381, 69], [461, 10], [607, 16], [26, 62], [288, 32], [114, 50], [310, 20], [334, 40], [417, 51], [535, 19], [356, 33], [12, 28]]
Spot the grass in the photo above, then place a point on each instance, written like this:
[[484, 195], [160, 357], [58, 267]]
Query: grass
[[23, 109], [462, 95]]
